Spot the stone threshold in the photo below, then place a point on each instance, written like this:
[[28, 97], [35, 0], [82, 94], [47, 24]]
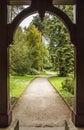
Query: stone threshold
[[14, 126]]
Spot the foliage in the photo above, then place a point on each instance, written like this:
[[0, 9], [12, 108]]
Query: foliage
[[18, 84], [28, 51], [34, 72], [65, 59], [68, 85], [60, 48], [57, 83], [38, 50], [67, 9], [19, 63]]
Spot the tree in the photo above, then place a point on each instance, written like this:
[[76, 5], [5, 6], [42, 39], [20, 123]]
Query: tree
[[64, 59], [38, 49], [60, 48], [19, 61], [28, 51]]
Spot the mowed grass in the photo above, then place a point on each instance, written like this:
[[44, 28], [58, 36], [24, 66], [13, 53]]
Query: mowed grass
[[57, 83], [18, 84]]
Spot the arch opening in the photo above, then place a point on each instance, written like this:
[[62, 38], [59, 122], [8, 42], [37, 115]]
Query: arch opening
[[55, 11]]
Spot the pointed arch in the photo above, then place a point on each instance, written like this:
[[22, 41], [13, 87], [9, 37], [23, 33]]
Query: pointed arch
[[51, 9]]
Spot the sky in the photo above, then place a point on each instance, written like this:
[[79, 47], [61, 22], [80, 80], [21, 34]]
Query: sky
[[26, 22]]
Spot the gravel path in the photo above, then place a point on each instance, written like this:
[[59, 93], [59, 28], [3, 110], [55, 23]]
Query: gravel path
[[41, 106]]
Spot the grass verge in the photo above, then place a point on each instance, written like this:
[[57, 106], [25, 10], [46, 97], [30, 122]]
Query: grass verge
[[57, 83], [18, 84]]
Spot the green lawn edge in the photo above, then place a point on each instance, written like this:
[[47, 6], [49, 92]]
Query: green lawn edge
[[57, 84], [18, 84]]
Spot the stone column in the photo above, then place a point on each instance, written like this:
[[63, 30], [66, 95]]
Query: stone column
[[78, 114], [5, 113]]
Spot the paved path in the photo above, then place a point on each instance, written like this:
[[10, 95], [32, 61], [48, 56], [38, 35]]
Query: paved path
[[41, 106]]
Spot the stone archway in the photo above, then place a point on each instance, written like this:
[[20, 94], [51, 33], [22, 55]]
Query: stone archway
[[42, 7], [45, 7], [6, 37]]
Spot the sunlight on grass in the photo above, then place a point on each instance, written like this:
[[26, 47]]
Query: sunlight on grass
[[18, 84], [57, 83]]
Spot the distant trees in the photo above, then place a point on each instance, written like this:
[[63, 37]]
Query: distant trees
[[14, 10], [28, 51], [38, 50], [60, 48]]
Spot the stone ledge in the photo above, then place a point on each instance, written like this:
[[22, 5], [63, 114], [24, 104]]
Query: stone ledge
[[42, 128], [70, 126], [14, 126]]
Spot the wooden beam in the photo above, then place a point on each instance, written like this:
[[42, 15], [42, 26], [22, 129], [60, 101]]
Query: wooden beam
[[78, 112], [64, 2], [28, 2], [5, 112]]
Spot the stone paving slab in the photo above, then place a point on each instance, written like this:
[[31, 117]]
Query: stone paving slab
[[70, 126], [34, 128]]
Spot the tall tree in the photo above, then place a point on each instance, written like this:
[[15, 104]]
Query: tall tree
[[28, 51], [38, 49], [57, 35], [19, 60]]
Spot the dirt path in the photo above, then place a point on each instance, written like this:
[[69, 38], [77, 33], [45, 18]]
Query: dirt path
[[41, 105]]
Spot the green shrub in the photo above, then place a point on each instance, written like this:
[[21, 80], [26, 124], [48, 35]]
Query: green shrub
[[34, 72], [68, 85]]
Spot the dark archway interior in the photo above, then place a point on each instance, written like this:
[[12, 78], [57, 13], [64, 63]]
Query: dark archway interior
[[6, 37]]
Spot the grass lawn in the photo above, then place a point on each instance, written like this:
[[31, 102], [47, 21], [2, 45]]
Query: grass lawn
[[18, 84], [56, 82]]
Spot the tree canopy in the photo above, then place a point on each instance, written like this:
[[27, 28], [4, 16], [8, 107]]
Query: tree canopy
[[60, 48], [28, 51]]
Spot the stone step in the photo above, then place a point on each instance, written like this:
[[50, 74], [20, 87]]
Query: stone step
[[42, 128]]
